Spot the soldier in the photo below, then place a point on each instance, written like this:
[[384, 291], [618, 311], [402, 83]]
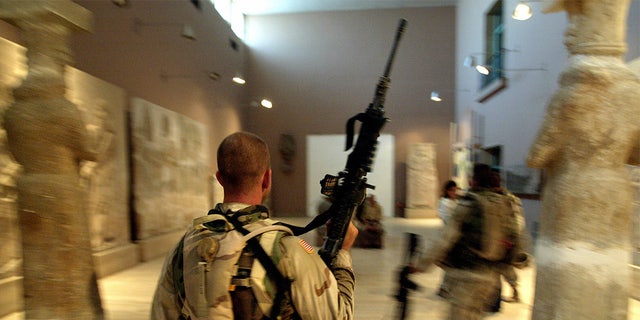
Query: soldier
[[238, 283], [368, 220], [480, 237]]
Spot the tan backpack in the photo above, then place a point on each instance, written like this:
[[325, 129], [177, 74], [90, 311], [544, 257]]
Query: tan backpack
[[499, 225]]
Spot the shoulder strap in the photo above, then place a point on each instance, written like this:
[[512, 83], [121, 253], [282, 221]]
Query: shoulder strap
[[177, 266], [282, 283]]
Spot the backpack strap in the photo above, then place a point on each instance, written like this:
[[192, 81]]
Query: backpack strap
[[283, 284]]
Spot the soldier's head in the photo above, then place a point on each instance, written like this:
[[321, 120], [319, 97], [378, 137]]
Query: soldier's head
[[244, 164], [482, 176]]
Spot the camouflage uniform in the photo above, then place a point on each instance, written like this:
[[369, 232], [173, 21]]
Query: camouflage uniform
[[471, 279], [316, 291]]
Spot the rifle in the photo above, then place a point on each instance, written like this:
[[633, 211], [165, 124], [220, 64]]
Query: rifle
[[347, 190], [404, 283]]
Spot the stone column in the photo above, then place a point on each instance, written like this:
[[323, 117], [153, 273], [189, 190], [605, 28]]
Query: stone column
[[422, 182], [47, 136], [590, 129]]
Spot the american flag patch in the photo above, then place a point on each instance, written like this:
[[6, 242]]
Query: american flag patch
[[306, 246]]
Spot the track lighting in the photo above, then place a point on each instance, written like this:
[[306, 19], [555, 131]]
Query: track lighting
[[214, 76], [470, 62], [187, 31], [263, 102], [239, 79], [266, 103]]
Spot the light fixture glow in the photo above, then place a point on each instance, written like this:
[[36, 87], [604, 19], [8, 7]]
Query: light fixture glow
[[435, 96], [266, 103], [482, 69], [522, 12], [238, 79]]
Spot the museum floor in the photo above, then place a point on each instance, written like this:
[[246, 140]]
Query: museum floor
[[127, 294]]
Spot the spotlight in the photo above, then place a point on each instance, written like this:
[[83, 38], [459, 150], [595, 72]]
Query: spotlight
[[522, 11], [239, 79], [266, 103], [482, 69]]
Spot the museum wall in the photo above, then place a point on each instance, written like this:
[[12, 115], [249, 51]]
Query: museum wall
[[151, 60], [321, 68]]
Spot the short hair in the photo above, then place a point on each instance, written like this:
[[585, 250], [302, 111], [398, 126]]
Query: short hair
[[243, 158], [482, 175], [448, 185]]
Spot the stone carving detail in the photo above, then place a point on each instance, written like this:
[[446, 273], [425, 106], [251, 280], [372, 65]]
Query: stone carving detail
[[590, 130], [422, 178], [170, 169], [106, 180], [13, 69]]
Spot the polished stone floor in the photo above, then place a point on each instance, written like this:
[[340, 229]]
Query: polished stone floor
[[127, 294]]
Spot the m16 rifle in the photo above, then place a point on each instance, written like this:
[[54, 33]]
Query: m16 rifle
[[348, 189], [405, 285]]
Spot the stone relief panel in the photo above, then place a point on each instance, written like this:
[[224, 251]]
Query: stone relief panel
[[103, 107], [422, 176], [170, 169], [13, 69]]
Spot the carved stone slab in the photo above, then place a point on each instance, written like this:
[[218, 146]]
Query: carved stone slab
[[103, 105], [422, 181], [170, 169]]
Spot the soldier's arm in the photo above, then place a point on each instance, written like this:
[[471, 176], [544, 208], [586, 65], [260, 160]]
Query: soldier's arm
[[317, 291]]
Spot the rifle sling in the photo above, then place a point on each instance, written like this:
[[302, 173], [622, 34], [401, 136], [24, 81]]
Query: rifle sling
[[315, 223]]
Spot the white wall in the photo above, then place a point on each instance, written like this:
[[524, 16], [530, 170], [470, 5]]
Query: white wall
[[325, 155]]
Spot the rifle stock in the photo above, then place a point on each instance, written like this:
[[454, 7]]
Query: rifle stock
[[348, 189]]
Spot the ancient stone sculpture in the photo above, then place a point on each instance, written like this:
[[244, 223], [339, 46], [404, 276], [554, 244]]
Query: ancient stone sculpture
[[47, 136], [590, 130]]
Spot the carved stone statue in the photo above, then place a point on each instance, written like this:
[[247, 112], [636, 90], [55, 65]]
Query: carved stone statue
[[12, 71], [591, 128], [47, 136]]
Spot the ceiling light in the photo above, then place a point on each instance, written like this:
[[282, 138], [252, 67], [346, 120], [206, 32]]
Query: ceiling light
[[187, 30], [470, 61], [266, 103], [522, 11], [435, 96], [482, 69], [239, 79], [213, 75], [120, 3], [188, 33]]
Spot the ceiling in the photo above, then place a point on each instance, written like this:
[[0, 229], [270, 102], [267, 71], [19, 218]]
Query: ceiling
[[261, 7]]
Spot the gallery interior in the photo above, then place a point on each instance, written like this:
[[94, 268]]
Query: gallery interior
[[167, 80]]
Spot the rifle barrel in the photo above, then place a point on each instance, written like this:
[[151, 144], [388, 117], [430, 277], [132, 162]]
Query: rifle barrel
[[401, 27]]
